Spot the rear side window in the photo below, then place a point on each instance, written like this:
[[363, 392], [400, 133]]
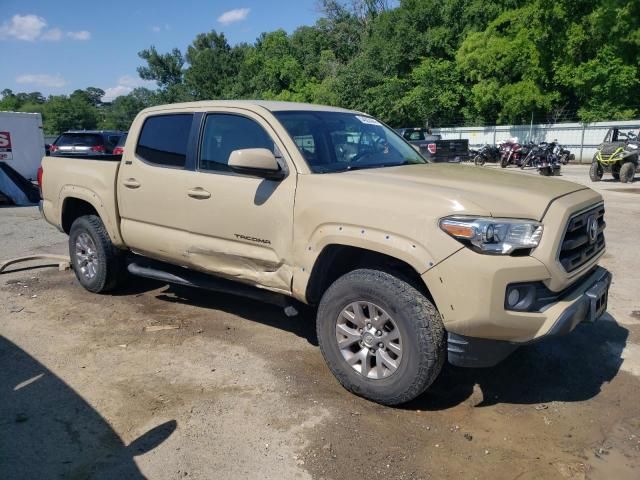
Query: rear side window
[[164, 139], [414, 135], [122, 141], [79, 139], [113, 140]]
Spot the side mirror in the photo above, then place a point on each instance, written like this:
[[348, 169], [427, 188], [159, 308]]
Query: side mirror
[[260, 162]]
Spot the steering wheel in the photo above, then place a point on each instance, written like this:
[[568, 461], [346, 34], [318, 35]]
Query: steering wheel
[[367, 150]]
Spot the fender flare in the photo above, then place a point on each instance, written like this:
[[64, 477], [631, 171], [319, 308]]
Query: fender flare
[[81, 193], [409, 251]]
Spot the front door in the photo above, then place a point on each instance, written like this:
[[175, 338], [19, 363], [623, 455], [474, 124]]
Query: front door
[[242, 225]]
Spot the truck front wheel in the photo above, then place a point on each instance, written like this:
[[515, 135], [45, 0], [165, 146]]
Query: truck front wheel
[[97, 263], [381, 338]]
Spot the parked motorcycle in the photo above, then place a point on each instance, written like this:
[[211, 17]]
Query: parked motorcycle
[[544, 157], [487, 153], [564, 155], [510, 152]]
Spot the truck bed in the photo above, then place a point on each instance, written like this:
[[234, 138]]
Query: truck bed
[[90, 179]]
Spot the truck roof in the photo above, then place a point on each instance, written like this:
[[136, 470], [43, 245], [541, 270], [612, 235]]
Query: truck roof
[[272, 106]]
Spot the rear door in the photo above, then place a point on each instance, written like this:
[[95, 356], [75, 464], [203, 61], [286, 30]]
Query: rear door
[[242, 225], [153, 184]]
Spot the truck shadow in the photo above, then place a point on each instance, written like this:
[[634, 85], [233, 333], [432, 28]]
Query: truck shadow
[[302, 325], [47, 430], [572, 368]]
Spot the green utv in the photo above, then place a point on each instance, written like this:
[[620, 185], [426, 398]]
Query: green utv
[[618, 155]]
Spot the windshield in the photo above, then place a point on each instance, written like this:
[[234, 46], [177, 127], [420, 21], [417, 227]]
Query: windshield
[[336, 141]]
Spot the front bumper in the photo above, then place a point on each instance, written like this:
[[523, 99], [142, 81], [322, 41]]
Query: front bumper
[[588, 305]]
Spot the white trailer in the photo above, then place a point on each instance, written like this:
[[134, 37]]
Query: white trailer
[[21, 151]]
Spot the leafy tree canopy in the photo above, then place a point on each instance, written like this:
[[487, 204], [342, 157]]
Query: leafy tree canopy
[[412, 62]]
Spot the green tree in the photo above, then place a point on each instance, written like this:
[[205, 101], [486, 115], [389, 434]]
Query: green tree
[[62, 113], [123, 109], [213, 66]]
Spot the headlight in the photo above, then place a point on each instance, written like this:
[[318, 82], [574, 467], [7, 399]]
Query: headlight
[[499, 236]]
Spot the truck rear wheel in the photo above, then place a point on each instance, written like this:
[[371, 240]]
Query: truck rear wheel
[[596, 171], [97, 263], [627, 172], [381, 338]]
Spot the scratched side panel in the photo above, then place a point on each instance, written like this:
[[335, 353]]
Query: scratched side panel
[[244, 262]]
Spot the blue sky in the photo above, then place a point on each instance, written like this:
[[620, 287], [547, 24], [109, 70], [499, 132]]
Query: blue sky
[[56, 46]]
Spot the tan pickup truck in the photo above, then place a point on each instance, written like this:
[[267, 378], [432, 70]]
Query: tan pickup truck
[[409, 263]]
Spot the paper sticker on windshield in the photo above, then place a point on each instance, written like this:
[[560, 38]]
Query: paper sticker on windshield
[[368, 120]]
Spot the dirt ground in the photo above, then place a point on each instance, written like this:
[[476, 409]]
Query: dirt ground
[[164, 382]]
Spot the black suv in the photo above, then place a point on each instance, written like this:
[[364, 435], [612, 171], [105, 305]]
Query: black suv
[[85, 142]]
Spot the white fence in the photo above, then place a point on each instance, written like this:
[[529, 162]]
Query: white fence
[[581, 139]]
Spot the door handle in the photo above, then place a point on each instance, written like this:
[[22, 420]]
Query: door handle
[[199, 193], [131, 183]]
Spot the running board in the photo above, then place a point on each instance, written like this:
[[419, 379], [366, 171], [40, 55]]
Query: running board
[[168, 273]]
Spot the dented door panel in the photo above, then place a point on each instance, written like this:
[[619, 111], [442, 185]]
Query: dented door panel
[[244, 229]]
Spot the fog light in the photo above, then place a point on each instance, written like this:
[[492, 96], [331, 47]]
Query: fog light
[[513, 298], [520, 297]]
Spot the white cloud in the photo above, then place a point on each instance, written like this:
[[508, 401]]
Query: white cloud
[[42, 80], [52, 35], [23, 27], [159, 28], [129, 81], [81, 35], [126, 84], [112, 92], [32, 27], [235, 15]]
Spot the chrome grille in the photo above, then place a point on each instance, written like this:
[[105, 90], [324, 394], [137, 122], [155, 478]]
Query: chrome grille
[[582, 241]]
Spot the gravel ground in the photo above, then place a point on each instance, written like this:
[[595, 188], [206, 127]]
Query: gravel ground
[[164, 382]]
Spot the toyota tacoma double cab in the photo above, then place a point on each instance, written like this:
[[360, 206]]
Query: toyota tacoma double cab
[[409, 263]]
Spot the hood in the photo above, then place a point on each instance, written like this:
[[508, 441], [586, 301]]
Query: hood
[[475, 190]]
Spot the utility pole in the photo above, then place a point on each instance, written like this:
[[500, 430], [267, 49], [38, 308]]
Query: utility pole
[[584, 126], [531, 128]]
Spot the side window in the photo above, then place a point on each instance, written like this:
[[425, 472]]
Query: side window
[[164, 138], [224, 133]]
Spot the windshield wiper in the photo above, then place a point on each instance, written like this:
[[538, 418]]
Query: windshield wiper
[[374, 165]]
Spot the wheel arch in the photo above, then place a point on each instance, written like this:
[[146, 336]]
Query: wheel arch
[[76, 202], [337, 259]]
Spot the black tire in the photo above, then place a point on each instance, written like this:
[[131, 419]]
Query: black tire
[[523, 165], [110, 269], [545, 172], [479, 160], [504, 162], [615, 171], [596, 171], [627, 172], [418, 321]]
